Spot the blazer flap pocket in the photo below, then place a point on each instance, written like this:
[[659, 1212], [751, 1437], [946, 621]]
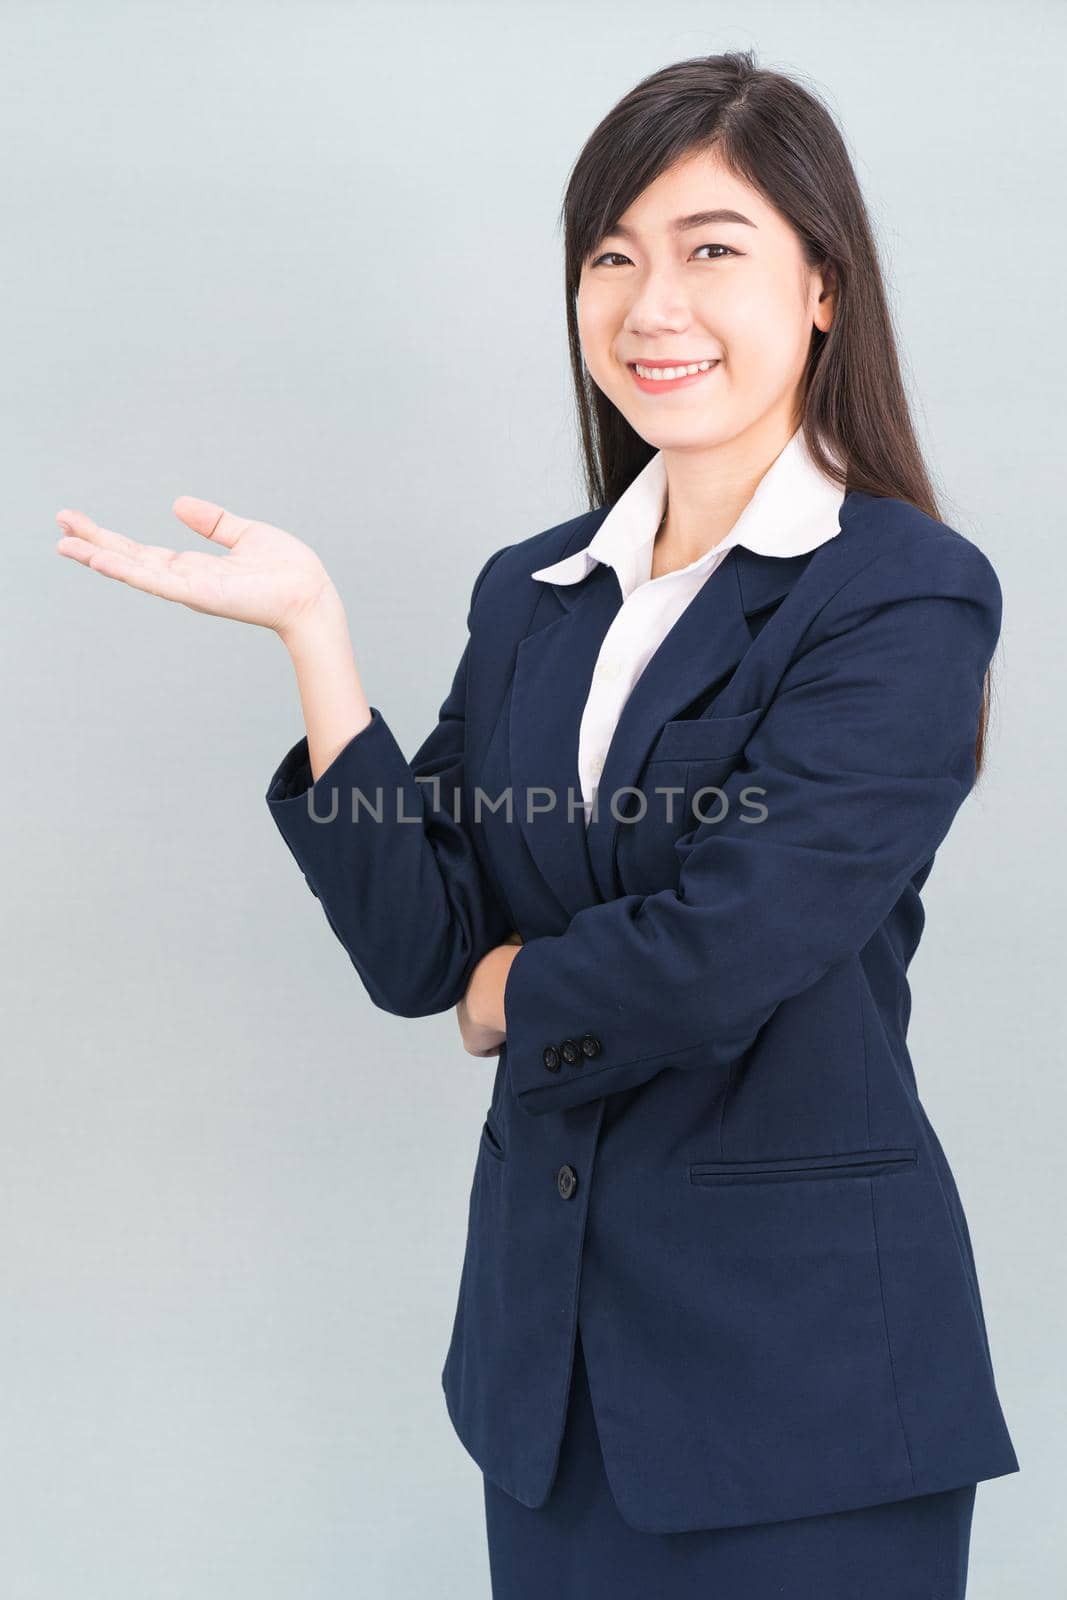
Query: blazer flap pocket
[[705, 738], [843, 1164]]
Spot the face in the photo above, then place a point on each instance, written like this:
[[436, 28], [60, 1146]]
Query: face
[[735, 291]]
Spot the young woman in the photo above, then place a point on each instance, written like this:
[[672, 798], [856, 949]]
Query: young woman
[[719, 1330]]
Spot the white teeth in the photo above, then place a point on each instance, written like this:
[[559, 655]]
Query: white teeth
[[664, 374]]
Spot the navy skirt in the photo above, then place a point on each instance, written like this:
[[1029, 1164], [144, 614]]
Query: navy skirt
[[577, 1545]]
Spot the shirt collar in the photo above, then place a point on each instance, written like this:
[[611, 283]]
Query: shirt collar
[[795, 508]]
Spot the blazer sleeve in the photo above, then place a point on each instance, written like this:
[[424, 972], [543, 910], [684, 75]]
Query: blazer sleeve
[[856, 770], [398, 877]]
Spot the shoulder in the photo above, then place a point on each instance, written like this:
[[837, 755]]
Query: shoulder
[[507, 571], [891, 551]]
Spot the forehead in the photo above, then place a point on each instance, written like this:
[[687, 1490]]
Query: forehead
[[698, 182]]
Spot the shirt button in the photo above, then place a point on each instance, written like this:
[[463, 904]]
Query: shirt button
[[597, 766]]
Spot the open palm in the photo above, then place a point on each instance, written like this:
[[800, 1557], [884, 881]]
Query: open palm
[[265, 575]]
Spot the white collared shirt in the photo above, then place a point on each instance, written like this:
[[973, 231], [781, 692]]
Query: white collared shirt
[[794, 508]]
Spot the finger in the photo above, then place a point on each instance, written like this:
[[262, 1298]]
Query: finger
[[78, 549], [163, 581], [83, 527], [213, 521], [81, 547]]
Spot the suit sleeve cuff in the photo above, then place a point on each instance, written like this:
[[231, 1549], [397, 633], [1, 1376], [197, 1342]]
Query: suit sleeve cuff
[[370, 761]]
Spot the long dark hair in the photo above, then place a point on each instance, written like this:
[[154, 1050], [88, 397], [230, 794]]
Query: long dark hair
[[776, 135]]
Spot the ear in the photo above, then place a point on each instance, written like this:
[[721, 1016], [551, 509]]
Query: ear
[[824, 292]]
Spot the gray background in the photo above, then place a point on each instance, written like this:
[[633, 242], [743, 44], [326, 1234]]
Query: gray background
[[303, 260]]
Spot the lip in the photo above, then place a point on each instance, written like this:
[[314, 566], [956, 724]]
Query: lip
[[668, 385]]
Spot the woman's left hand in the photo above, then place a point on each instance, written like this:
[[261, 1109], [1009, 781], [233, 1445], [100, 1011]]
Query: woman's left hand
[[481, 1011]]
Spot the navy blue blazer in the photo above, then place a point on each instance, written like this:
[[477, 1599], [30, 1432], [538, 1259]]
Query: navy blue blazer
[[705, 1141]]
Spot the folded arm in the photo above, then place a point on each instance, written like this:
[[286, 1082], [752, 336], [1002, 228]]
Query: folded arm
[[865, 755]]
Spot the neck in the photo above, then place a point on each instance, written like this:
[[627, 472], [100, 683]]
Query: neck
[[708, 488]]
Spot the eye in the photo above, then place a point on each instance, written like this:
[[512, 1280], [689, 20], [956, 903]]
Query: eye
[[618, 256]]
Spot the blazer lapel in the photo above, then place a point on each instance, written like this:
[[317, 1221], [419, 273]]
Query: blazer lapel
[[553, 671], [704, 644]]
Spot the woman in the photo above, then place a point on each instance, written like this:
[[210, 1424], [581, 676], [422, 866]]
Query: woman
[[719, 1330]]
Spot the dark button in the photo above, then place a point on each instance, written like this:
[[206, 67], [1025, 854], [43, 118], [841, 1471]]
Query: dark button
[[590, 1044], [571, 1051], [566, 1182], [550, 1057]]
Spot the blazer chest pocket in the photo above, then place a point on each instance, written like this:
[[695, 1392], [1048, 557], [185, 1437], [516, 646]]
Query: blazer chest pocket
[[716, 739], [696, 754], [787, 1169]]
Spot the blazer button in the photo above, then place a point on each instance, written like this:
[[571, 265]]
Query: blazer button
[[566, 1182], [550, 1057], [590, 1044], [571, 1052]]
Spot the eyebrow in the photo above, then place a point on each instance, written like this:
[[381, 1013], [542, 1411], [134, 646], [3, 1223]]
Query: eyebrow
[[698, 219]]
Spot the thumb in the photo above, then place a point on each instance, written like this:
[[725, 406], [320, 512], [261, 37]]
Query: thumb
[[212, 521]]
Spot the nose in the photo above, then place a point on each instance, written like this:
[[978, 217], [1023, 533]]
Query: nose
[[659, 304]]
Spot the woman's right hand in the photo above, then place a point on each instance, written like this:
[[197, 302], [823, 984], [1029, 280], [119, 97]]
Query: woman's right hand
[[265, 575], [479, 1040]]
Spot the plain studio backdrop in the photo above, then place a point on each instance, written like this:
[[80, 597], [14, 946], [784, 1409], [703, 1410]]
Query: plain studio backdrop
[[304, 260]]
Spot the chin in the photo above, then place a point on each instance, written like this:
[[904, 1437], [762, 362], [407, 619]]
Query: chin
[[695, 436]]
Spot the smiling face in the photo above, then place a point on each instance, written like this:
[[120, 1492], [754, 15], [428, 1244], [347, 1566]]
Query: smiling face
[[733, 290]]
